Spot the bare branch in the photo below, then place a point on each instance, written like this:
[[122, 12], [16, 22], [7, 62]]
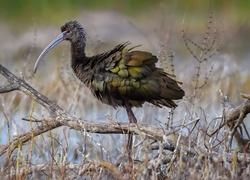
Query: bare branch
[[247, 96], [28, 90], [88, 126], [62, 118], [233, 113], [8, 88]]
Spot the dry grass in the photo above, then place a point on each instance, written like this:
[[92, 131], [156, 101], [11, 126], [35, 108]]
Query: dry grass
[[66, 154]]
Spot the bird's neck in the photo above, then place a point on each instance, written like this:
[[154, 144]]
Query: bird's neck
[[78, 51], [78, 56], [80, 63]]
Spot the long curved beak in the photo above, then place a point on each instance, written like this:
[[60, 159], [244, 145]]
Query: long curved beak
[[52, 44]]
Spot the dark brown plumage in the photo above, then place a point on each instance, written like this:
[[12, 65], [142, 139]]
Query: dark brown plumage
[[119, 77]]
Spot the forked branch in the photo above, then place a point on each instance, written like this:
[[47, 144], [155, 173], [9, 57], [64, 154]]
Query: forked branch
[[60, 117]]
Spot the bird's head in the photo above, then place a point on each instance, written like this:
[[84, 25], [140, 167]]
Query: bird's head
[[71, 31]]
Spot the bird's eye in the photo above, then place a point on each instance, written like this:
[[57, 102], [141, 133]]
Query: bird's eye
[[66, 32]]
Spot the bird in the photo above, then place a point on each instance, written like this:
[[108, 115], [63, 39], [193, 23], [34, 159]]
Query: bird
[[121, 77]]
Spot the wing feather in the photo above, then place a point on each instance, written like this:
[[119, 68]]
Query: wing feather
[[132, 76]]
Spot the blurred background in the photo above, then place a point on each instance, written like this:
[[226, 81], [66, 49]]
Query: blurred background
[[27, 26], [26, 22]]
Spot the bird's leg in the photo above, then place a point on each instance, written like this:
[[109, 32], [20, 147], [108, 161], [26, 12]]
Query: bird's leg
[[131, 116], [132, 119]]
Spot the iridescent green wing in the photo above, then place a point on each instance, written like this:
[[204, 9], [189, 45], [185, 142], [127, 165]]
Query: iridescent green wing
[[127, 74], [133, 76]]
